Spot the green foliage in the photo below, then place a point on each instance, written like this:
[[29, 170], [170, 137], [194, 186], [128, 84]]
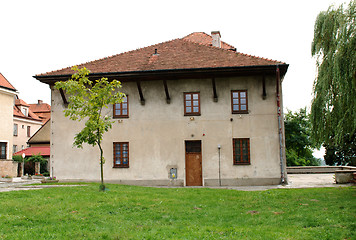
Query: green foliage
[[131, 212], [343, 154], [17, 158], [36, 158], [299, 144], [333, 111], [87, 99]]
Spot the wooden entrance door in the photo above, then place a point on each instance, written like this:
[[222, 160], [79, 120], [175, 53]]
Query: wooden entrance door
[[193, 163]]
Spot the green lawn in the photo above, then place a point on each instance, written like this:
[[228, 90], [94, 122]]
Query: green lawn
[[131, 212]]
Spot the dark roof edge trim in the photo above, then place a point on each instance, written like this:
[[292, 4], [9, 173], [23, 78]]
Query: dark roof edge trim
[[11, 89], [283, 67]]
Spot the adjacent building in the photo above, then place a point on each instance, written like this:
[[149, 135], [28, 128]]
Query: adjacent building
[[197, 113], [42, 110], [26, 123], [7, 96]]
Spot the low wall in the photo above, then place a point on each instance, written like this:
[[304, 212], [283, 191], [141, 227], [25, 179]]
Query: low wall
[[8, 167], [318, 169]]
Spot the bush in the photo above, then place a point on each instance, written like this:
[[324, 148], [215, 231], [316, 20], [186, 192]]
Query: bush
[[17, 158]]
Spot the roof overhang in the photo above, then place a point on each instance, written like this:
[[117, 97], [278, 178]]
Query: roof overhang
[[174, 74]]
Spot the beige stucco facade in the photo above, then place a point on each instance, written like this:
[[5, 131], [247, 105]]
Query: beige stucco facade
[[20, 141], [157, 131], [6, 119]]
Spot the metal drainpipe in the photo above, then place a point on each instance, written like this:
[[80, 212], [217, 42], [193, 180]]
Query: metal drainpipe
[[279, 112]]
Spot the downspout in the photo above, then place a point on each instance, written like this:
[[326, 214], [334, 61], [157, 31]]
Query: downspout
[[280, 130]]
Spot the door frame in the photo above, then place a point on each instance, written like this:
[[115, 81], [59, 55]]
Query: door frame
[[201, 161]]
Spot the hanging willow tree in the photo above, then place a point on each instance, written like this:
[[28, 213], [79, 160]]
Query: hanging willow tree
[[333, 111]]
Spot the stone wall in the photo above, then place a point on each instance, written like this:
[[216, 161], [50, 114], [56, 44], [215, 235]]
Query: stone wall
[[317, 169], [8, 167]]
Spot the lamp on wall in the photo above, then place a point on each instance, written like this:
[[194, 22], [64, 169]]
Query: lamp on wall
[[23, 163]]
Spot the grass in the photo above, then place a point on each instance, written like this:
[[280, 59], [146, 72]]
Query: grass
[[131, 212]]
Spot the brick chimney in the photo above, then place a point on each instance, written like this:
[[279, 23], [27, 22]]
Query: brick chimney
[[40, 101], [216, 39]]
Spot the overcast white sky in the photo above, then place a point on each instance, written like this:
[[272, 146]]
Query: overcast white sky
[[40, 35]]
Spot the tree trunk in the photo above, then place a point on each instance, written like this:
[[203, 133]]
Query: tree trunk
[[102, 186]]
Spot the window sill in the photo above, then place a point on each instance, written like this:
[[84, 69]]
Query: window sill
[[114, 117], [240, 112], [238, 164], [120, 167], [192, 114]]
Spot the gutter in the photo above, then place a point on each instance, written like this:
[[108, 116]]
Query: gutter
[[280, 129], [172, 73]]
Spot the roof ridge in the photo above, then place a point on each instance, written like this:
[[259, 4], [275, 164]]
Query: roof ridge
[[112, 56], [229, 50]]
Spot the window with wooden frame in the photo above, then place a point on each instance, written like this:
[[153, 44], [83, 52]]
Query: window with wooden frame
[[121, 155], [121, 110], [192, 104], [239, 102], [241, 151], [16, 127], [28, 131], [3, 147]]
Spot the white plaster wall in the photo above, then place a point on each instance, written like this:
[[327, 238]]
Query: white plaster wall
[[156, 133]]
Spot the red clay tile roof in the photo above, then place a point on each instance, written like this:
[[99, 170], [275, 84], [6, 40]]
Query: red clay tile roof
[[43, 151], [5, 83], [20, 102], [18, 113], [206, 39], [191, 52], [39, 108]]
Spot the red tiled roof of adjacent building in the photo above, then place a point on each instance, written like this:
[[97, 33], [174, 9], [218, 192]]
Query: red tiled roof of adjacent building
[[42, 110], [20, 102], [18, 113], [43, 151], [5, 83], [40, 107], [191, 52]]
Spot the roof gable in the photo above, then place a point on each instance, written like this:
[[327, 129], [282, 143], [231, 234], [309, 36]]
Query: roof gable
[[190, 52]]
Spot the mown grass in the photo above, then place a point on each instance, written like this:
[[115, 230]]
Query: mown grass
[[131, 212]]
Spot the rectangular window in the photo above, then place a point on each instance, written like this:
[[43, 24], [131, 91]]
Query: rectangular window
[[28, 131], [16, 127], [241, 148], [121, 110], [192, 104], [14, 149], [239, 101], [3, 146], [121, 155]]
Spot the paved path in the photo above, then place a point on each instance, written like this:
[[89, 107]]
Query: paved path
[[17, 184], [299, 181], [294, 181]]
